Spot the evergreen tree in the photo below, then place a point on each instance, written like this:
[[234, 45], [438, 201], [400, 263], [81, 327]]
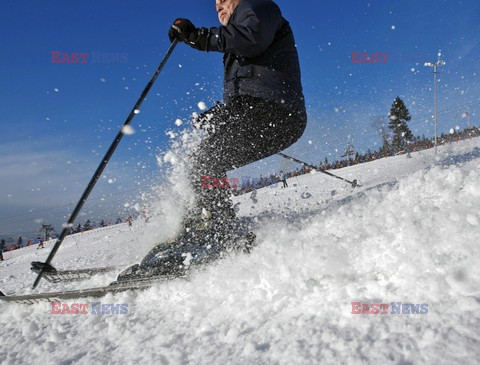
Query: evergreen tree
[[399, 116]]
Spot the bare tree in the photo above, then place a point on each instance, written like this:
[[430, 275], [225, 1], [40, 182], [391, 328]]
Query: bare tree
[[380, 124], [47, 228], [348, 152]]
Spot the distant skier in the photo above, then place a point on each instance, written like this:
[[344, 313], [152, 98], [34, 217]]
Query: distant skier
[[283, 178], [2, 246], [263, 111]]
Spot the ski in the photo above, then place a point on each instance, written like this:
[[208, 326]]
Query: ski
[[54, 275], [172, 264], [115, 287]]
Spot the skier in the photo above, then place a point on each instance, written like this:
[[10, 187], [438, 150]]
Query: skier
[[264, 109], [263, 112], [2, 246], [283, 178]]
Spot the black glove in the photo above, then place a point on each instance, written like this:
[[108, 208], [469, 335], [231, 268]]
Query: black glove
[[181, 29], [198, 39], [184, 30]]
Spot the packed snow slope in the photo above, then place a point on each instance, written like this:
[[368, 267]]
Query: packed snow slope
[[410, 235]]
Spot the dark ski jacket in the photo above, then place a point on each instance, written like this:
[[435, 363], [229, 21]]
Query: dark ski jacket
[[260, 57]]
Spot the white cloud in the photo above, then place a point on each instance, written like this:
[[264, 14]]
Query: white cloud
[[45, 181]]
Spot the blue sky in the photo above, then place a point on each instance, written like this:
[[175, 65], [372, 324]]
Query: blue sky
[[58, 119]]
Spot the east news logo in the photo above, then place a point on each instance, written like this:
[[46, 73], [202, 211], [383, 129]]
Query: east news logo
[[84, 308], [382, 308], [95, 57]]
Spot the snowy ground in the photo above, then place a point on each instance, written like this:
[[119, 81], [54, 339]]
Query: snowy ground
[[410, 234]]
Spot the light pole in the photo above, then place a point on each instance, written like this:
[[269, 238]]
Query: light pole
[[467, 116], [434, 65]]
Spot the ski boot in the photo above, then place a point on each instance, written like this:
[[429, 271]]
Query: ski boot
[[203, 240], [174, 256]]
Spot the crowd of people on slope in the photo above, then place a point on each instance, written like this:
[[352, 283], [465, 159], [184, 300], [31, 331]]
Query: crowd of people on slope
[[40, 242], [89, 225], [418, 144], [4, 246]]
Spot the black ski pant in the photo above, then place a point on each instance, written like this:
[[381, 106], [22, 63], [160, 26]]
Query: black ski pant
[[243, 131]]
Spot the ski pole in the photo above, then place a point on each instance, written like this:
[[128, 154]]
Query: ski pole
[[103, 164], [354, 183]]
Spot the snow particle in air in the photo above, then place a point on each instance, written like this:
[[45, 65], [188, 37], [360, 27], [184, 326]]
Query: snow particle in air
[[171, 134], [128, 130]]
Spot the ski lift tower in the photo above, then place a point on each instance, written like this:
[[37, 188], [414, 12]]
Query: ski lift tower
[[435, 65]]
